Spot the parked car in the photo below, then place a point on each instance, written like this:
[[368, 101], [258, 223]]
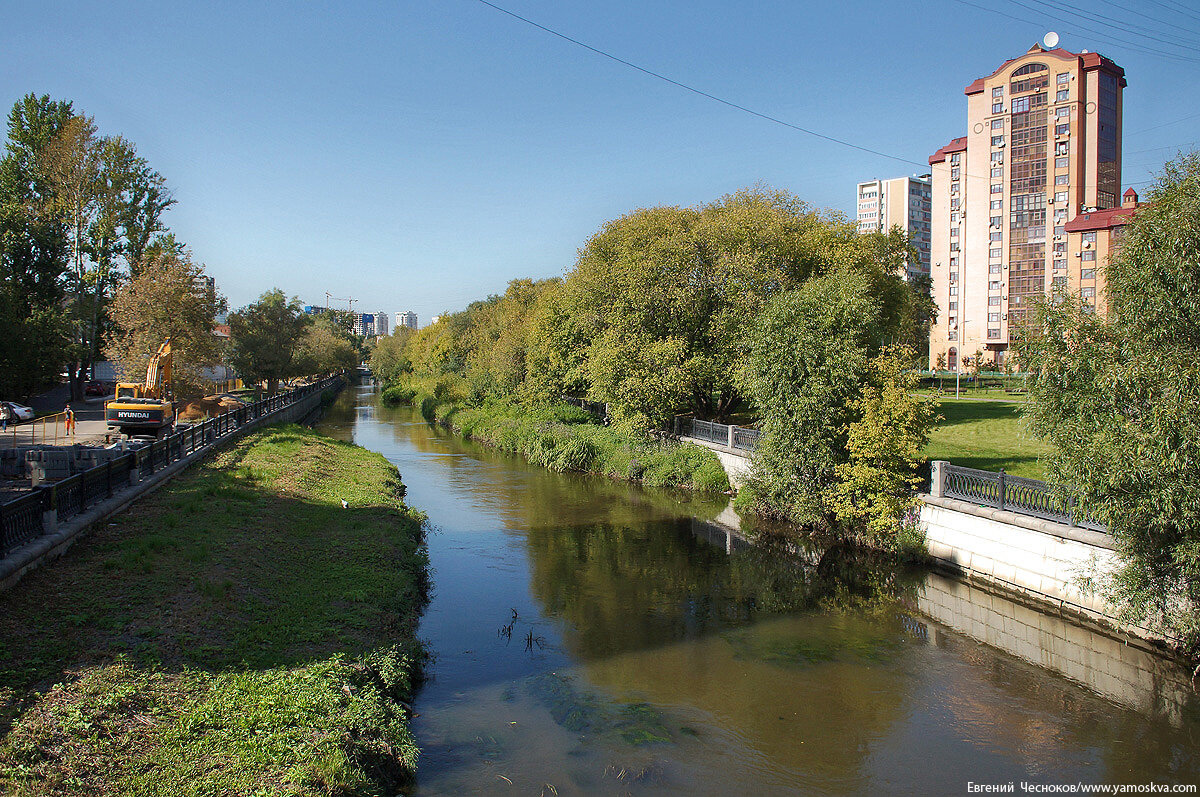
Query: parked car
[[96, 388], [18, 412]]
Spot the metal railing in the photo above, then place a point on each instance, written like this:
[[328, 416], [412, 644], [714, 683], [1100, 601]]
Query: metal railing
[[596, 408], [1015, 494], [25, 518], [739, 437]]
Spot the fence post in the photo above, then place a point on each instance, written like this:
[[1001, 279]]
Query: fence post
[[49, 510], [1000, 494], [731, 430], [937, 481]]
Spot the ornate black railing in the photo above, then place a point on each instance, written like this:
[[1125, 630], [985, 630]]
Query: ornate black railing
[[741, 437], [23, 519], [1015, 494]]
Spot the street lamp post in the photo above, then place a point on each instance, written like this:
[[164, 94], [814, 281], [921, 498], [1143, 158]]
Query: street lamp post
[[962, 339]]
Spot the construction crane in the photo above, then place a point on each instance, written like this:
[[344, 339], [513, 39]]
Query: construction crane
[[329, 297], [146, 408]]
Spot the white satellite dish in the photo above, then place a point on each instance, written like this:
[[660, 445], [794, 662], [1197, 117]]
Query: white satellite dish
[[1050, 40]]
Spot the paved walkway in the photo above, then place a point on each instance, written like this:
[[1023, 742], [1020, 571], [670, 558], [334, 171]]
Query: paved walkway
[[90, 428]]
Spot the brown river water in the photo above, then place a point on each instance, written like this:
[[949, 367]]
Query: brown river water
[[593, 637]]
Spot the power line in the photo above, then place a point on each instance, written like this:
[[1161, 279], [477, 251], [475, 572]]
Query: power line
[[1144, 15], [701, 92], [1175, 8], [1120, 25], [1102, 35], [1164, 124]]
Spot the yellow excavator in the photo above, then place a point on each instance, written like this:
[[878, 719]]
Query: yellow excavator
[[146, 409]]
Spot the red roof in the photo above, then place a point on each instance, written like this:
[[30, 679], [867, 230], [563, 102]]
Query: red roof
[[1100, 220], [957, 145], [1089, 61]]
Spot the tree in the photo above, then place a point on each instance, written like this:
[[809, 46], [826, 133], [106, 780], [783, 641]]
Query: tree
[[390, 360], [263, 338], [165, 301], [1119, 397], [33, 250], [876, 484], [808, 357], [325, 347]]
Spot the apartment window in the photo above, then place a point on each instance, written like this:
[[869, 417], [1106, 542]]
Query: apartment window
[[1088, 293], [1059, 282], [954, 262], [1088, 255], [997, 157], [1062, 95], [954, 246], [953, 305], [993, 301], [1060, 214], [1062, 130], [954, 202], [997, 141], [998, 91], [994, 285], [995, 252], [1063, 112], [995, 236], [993, 317], [1060, 264], [997, 107], [1060, 248], [1060, 148], [1062, 179], [993, 334], [953, 232], [1062, 77], [997, 204], [995, 221], [1061, 162], [997, 124], [954, 290], [956, 157], [1060, 229], [1087, 274], [1060, 196], [1020, 105], [953, 276], [954, 173], [1089, 237], [998, 172], [954, 188], [953, 218], [997, 188], [994, 268]]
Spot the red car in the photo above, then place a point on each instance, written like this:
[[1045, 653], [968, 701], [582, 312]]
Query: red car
[[95, 388]]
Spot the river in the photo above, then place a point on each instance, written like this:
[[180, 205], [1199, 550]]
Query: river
[[593, 637]]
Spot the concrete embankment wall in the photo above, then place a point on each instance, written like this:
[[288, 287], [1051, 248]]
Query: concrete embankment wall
[[734, 461], [60, 536]]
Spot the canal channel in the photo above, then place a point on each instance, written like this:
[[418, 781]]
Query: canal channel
[[592, 637]]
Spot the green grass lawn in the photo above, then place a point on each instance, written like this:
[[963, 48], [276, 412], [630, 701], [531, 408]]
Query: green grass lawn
[[988, 435], [237, 632]]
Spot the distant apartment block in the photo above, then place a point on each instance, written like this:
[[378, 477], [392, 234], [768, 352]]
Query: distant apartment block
[[1091, 237], [381, 323], [408, 319], [902, 202], [1043, 146]]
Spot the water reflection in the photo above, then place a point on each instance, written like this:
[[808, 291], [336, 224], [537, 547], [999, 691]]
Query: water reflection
[[653, 652]]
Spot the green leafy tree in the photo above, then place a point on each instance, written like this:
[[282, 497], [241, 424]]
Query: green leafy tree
[[390, 360], [326, 347], [808, 360], [264, 337], [164, 301], [876, 484], [33, 250], [1118, 395]]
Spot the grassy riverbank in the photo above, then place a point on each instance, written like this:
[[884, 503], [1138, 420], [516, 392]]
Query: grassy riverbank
[[988, 435], [564, 438], [237, 632]]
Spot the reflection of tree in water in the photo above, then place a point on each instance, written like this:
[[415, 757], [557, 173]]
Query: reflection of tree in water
[[627, 586]]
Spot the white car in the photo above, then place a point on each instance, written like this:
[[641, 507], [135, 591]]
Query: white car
[[18, 412]]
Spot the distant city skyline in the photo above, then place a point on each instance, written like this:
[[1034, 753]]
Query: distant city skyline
[[424, 155]]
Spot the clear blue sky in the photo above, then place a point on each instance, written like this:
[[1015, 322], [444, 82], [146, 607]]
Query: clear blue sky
[[419, 155]]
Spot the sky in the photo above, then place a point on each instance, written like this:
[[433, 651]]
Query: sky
[[420, 155]]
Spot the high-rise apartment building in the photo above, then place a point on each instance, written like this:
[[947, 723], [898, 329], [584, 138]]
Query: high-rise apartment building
[[1043, 145], [408, 319], [902, 202], [381, 323]]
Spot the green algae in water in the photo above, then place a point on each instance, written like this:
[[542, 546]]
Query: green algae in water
[[809, 652], [637, 724]]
